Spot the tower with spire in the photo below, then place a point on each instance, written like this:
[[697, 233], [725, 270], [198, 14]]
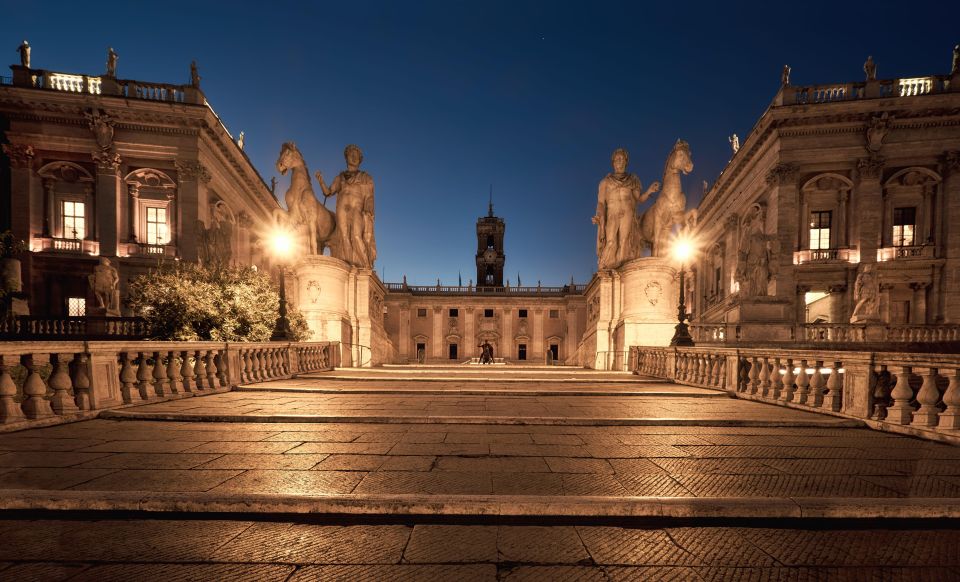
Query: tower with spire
[[490, 257]]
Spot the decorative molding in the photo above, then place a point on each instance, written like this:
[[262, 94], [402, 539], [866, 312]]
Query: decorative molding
[[871, 167], [782, 174], [192, 170], [108, 161], [21, 155], [951, 161]]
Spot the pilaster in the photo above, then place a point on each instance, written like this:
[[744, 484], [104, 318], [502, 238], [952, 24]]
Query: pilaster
[[951, 279], [22, 177], [537, 347], [437, 335], [108, 200], [192, 176], [782, 179], [869, 199]]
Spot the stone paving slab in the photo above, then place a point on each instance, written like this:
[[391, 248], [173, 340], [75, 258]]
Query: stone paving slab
[[180, 550]]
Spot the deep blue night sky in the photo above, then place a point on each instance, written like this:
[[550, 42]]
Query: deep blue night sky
[[447, 98]]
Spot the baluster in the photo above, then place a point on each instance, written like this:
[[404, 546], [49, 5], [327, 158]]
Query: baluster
[[880, 392], [754, 375], [186, 372], [803, 384], [221, 362], [271, 363], [200, 370], [128, 379], [776, 380], [764, 377], [261, 365], [161, 385], [211, 367], [173, 374], [786, 395], [718, 363], [81, 382], [702, 367], [927, 397], [949, 418], [815, 397], [61, 401], [743, 378], [34, 405], [9, 411], [834, 397], [246, 367], [901, 411]]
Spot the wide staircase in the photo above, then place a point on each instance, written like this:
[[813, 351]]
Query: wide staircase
[[483, 472]]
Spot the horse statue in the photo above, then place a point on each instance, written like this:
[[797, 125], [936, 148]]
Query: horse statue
[[304, 210], [657, 222]]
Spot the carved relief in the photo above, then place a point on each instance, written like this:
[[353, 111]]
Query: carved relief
[[653, 291], [757, 254], [192, 170], [593, 309], [782, 174], [877, 130], [313, 291], [951, 161], [872, 166], [21, 155], [376, 307], [102, 126], [216, 241], [866, 292]]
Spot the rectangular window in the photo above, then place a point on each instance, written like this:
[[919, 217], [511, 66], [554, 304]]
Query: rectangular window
[[421, 312], [454, 312], [523, 313], [488, 313], [522, 352], [820, 229], [904, 226], [554, 313], [76, 306], [157, 226], [74, 222], [718, 280]]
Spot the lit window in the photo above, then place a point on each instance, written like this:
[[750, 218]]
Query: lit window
[[157, 226], [904, 226], [74, 224], [76, 306], [820, 230]]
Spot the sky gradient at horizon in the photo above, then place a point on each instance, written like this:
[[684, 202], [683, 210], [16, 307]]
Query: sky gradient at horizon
[[449, 98]]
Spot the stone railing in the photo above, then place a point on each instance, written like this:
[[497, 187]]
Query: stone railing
[[922, 333], [840, 333], [910, 393], [820, 256], [909, 252], [104, 85], [471, 290], [832, 332], [30, 327], [905, 87], [712, 332], [47, 382]]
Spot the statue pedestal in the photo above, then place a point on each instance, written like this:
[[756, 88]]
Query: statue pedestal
[[636, 305], [342, 303]]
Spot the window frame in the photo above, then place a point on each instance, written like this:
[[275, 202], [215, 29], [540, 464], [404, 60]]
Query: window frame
[[820, 229]]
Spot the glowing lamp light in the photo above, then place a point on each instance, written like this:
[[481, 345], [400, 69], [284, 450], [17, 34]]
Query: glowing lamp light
[[683, 250], [281, 243]]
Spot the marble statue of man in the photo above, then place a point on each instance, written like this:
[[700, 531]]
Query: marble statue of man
[[785, 75], [24, 50], [354, 191], [734, 142], [870, 69], [954, 65], [105, 283], [112, 62], [618, 195], [866, 291], [194, 75]]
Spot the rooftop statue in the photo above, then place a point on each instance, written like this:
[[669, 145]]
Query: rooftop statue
[[304, 210], [870, 69], [785, 75], [111, 62], [954, 64], [194, 75], [354, 191], [734, 142], [670, 209], [24, 50], [619, 194]]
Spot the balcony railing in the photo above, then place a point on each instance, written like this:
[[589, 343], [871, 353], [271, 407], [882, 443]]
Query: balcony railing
[[906, 87], [910, 252], [149, 250], [66, 245], [469, 290], [30, 327], [97, 85], [821, 256]]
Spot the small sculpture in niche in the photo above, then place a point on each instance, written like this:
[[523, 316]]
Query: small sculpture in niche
[[105, 283]]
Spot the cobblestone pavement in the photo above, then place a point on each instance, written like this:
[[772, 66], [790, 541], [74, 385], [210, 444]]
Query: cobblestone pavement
[[204, 550]]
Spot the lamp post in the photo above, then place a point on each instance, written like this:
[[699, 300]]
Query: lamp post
[[281, 250], [681, 336]]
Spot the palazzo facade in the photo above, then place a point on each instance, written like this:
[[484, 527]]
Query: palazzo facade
[[834, 180], [137, 172]]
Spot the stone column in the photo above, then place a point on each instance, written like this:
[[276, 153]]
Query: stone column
[[438, 339], [842, 197], [404, 339], [49, 188], [951, 237], [869, 197], [21, 188], [571, 338], [191, 175], [469, 333], [509, 348], [918, 304], [107, 202], [838, 304], [537, 347]]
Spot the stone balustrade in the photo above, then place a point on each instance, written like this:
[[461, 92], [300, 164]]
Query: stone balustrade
[[906, 392], [576, 289], [48, 381], [30, 327], [838, 333], [833, 332], [881, 88]]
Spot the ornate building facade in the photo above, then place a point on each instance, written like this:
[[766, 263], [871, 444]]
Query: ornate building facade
[[137, 172], [838, 219]]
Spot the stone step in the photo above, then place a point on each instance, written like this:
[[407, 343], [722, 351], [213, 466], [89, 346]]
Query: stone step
[[484, 392], [502, 506]]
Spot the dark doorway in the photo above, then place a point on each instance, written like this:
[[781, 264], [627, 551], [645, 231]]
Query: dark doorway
[[453, 351], [556, 351], [522, 352], [421, 352]]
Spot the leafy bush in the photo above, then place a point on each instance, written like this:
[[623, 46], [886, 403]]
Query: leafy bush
[[188, 302]]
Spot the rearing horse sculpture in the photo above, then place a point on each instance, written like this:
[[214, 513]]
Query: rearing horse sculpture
[[303, 207], [657, 222]]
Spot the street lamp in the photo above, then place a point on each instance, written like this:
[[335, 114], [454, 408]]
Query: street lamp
[[282, 245], [682, 251]]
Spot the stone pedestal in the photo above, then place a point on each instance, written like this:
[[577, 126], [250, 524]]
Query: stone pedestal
[[336, 299], [637, 306]]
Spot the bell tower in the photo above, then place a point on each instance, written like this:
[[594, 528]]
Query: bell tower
[[490, 257]]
